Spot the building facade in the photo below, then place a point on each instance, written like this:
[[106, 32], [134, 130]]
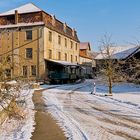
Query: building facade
[[124, 59], [84, 53], [29, 37], [86, 59]]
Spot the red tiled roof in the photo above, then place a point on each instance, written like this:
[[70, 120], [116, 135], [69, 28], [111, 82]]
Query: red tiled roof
[[85, 46], [85, 56]]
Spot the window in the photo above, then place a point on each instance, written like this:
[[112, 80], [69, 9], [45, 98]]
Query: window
[[8, 59], [65, 42], [59, 39], [11, 19], [76, 58], [76, 46], [50, 36], [8, 72], [25, 72], [59, 55], [29, 35], [33, 70], [65, 57], [71, 58], [29, 53], [50, 54], [73, 71], [71, 44]]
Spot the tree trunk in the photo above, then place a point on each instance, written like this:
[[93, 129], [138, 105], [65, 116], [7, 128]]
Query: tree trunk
[[110, 85]]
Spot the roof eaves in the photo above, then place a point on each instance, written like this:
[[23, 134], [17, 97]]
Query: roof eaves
[[132, 54], [21, 25]]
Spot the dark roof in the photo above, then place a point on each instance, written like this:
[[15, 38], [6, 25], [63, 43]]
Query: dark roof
[[64, 63], [119, 52]]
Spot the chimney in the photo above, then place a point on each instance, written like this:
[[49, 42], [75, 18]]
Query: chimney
[[16, 16], [73, 32], [53, 20], [64, 27]]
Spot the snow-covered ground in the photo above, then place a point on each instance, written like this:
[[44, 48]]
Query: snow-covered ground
[[85, 116], [14, 129]]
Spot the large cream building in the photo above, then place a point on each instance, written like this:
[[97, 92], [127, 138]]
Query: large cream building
[[29, 37]]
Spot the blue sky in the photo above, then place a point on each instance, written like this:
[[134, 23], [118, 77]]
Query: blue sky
[[92, 18]]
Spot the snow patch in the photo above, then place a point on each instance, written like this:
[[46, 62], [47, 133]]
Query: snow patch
[[20, 129], [84, 116]]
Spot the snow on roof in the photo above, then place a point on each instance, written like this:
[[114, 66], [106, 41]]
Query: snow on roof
[[119, 52], [84, 45], [27, 8], [63, 62], [21, 25]]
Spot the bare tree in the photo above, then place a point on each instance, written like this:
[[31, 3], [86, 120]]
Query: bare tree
[[132, 69], [10, 92], [108, 66]]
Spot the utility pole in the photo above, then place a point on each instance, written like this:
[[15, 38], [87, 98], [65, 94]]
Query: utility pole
[[12, 55], [38, 54], [94, 88]]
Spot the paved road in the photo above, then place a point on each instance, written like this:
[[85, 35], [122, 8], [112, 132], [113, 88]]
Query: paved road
[[46, 127]]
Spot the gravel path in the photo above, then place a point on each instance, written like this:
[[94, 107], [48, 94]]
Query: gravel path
[[46, 127]]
